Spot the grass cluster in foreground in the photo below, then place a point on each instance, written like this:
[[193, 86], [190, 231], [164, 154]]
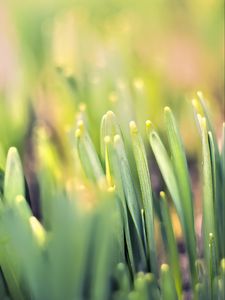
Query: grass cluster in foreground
[[105, 233]]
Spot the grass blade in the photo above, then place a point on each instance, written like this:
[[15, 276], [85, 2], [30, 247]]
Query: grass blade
[[206, 114], [88, 156], [167, 284], [2, 174], [200, 292], [146, 191], [2, 158], [208, 206], [117, 180], [200, 108], [165, 167], [223, 191], [123, 278], [132, 201], [3, 288], [181, 172], [143, 223], [109, 127], [171, 246], [145, 287], [213, 272], [9, 261], [14, 179], [103, 253], [222, 276], [218, 202], [129, 192], [10, 275]]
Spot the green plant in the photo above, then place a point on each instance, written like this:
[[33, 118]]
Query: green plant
[[97, 236]]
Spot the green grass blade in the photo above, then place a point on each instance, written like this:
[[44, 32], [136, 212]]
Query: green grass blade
[[23, 208], [200, 293], [11, 276], [165, 167], [146, 191], [108, 161], [217, 289], [38, 231], [48, 172], [2, 157], [171, 246], [88, 156], [218, 201], [143, 223], [222, 276], [181, 172], [206, 114], [141, 286], [2, 174], [223, 152], [109, 127], [200, 108], [123, 278], [132, 201], [9, 261], [103, 252], [14, 179], [3, 288], [213, 272], [116, 175], [118, 229], [200, 268], [130, 196], [223, 191], [145, 287], [167, 284], [103, 134], [208, 205]]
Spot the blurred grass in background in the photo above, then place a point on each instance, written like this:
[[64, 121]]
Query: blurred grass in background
[[128, 56], [63, 65]]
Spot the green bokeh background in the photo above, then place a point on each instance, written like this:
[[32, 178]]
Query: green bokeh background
[[133, 57]]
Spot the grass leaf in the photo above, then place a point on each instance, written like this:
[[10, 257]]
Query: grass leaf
[[167, 284], [165, 167], [14, 179], [171, 246], [129, 192], [88, 156], [181, 172], [208, 205], [146, 191]]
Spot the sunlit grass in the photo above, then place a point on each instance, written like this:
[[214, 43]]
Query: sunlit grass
[[111, 249]]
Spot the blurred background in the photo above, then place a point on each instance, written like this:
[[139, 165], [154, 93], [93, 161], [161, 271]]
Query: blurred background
[[58, 57], [61, 60]]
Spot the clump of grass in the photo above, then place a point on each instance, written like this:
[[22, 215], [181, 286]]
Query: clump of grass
[[111, 249]]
